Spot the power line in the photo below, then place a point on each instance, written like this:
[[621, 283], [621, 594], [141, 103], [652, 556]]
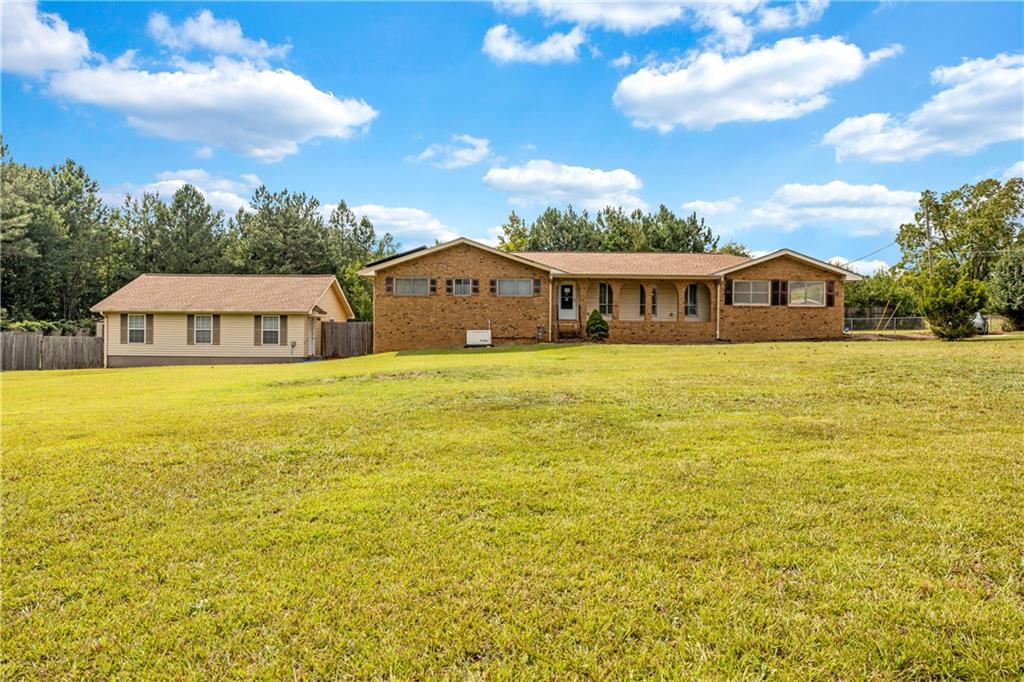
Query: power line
[[868, 255]]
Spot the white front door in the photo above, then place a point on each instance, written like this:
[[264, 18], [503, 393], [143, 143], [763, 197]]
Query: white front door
[[567, 301]]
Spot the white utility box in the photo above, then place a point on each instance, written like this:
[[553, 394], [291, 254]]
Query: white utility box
[[478, 337]]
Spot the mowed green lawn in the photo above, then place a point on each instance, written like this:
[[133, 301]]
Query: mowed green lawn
[[825, 510]]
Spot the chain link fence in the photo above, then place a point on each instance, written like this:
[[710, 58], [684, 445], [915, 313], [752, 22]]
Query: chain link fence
[[870, 324]]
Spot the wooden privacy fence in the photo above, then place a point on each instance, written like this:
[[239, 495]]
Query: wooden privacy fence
[[345, 339], [35, 351]]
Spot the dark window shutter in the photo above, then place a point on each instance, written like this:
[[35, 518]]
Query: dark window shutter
[[784, 292], [728, 292], [476, 287], [448, 286], [433, 286], [494, 287], [775, 292], [389, 285], [830, 293], [257, 330], [282, 324], [216, 330], [124, 328], [149, 329], [643, 300], [190, 326], [536, 287]]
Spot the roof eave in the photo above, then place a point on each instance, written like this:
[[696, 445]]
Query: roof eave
[[370, 272], [848, 275]]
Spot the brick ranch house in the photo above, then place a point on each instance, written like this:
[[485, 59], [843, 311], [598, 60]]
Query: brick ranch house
[[430, 297], [218, 319]]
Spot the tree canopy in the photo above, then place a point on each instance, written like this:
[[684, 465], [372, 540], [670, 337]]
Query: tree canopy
[[611, 229], [64, 249]]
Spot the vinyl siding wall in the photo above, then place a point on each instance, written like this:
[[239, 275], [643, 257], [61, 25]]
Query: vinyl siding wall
[[330, 303], [668, 308], [170, 338]]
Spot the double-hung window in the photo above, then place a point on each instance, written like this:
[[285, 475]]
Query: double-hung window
[[136, 329], [203, 329], [691, 308], [271, 330], [807, 293], [412, 286], [654, 302], [751, 292], [515, 287], [604, 298], [462, 286]]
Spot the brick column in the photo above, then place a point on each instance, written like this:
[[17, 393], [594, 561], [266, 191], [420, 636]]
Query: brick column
[[616, 291], [582, 288], [681, 300], [648, 287]]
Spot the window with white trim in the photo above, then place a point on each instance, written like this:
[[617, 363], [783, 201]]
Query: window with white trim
[[515, 287], [462, 286], [751, 292], [271, 330], [203, 331], [691, 308], [604, 298], [412, 286], [806, 293], [136, 329], [654, 301]]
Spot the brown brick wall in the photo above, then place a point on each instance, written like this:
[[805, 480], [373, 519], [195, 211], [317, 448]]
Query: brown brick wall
[[779, 323], [440, 320]]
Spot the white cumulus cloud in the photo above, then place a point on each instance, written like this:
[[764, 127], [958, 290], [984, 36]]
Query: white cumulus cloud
[[34, 42], [859, 209], [408, 225], [731, 25], [1014, 171], [982, 104], [710, 208], [224, 193], [504, 45], [464, 150], [221, 36], [543, 181], [622, 61], [786, 80], [262, 113]]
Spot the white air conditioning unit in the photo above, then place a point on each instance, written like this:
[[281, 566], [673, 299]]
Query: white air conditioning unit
[[478, 337]]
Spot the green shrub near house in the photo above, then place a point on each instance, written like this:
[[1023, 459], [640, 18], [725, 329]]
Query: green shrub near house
[[950, 308], [597, 326]]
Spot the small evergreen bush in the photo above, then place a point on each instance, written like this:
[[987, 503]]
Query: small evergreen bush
[[950, 308], [1007, 288], [597, 326]]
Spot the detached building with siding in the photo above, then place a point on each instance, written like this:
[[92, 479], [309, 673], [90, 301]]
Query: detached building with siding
[[161, 319]]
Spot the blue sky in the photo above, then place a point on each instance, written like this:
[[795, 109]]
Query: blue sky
[[807, 125]]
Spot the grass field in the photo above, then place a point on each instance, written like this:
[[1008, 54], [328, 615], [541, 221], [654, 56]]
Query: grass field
[[808, 511]]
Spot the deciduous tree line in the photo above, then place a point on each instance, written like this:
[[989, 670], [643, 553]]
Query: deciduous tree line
[[976, 260], [63, 249]]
